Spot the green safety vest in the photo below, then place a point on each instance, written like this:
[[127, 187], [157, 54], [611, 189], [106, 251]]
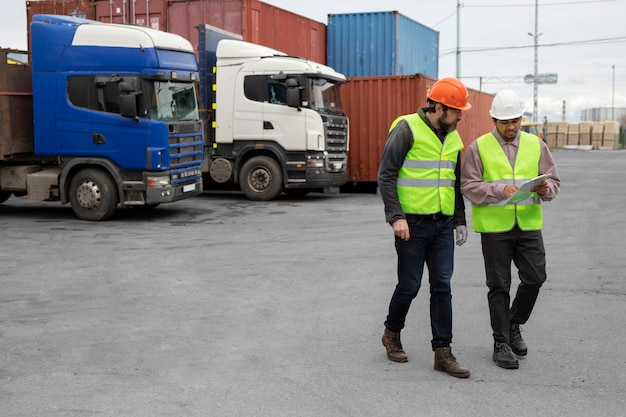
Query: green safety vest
[[497, 217], [426, 179]]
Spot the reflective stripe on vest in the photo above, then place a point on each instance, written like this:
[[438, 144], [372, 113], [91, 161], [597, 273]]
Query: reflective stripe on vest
[[497, 217], [426, 179]]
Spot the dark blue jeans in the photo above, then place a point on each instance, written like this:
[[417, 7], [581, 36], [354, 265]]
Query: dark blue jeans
[[431, 243]]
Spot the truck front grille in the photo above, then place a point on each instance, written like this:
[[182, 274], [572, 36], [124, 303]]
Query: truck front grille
[[186, 152], [336, 133]]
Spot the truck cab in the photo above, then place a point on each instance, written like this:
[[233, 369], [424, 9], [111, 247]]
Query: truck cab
[[277, 122], [115, 116]]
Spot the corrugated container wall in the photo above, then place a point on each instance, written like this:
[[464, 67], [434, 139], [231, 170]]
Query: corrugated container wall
[[372, 103], [256, 21], [77, 8], [381, 43], [16, 108]]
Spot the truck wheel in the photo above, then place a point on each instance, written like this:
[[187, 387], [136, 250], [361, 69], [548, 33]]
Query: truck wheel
[[93, 195], [261, 178], [4, 196]]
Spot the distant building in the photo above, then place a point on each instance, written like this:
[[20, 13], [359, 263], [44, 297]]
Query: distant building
[[602, 114]]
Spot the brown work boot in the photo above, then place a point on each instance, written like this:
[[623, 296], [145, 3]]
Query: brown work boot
[[391, 341], [445, 361]]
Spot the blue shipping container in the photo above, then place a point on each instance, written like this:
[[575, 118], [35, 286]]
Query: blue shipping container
[[381, 43]]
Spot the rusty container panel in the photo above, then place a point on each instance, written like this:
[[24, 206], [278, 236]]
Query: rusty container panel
[[84, 9], [76, 8], [373, 103], [16, 108], [476, 121], [256, 21], [138, 12], [184, 17], [285, 31]]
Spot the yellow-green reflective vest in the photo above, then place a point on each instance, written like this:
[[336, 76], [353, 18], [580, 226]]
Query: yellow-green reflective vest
[[426, 179], [497, 217]]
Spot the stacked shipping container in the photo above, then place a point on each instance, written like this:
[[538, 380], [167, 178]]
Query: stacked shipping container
[[382, 43], [392, 61], [254, 20]]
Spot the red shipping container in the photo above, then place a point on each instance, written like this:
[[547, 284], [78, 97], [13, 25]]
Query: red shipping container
[[78, 8], [256, 21], [373, 103]]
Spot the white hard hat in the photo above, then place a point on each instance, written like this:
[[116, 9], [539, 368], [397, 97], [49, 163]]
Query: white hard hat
[[506, 105]]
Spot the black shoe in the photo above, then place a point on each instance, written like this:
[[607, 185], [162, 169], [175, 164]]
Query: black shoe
[[518, 346], [503, 356]]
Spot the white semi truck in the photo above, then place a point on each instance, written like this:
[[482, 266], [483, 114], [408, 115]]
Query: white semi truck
[[273, 123]]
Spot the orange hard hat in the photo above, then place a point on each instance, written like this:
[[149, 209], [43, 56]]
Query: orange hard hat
[[450, 92]]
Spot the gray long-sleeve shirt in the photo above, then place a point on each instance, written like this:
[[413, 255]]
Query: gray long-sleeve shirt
[[479, 192], [399, 142]]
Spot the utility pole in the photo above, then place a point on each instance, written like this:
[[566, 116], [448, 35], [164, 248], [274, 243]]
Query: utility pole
[[536, 70], [613, 97], [458, 39]]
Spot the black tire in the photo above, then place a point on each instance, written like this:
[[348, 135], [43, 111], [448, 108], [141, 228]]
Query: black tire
[[93, 195], [261, 178], [4, 196]]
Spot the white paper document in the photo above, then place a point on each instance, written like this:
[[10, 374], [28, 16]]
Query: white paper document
[[523, 191]]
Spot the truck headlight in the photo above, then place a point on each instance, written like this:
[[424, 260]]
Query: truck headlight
[[160, 181], [315, 163]]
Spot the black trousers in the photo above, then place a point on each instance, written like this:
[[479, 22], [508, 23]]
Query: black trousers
[[526, 250]]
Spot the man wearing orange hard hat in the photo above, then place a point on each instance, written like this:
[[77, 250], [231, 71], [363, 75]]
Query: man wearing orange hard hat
[[418, 183]]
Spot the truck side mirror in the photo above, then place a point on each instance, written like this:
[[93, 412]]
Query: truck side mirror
[[127, 87], [128, 99], [293, 93], [128, 105]]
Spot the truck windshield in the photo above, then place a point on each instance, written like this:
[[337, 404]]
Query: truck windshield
[[325, 96], [173, 101]]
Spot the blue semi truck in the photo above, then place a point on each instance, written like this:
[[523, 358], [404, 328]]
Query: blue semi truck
[[101, 116]]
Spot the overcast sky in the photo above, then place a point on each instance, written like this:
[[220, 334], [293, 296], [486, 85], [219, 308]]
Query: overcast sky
[[580, 41]]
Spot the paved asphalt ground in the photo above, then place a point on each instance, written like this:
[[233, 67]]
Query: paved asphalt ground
[[219, 306]]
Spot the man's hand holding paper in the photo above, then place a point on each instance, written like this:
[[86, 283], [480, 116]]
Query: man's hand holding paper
[[541, 189]]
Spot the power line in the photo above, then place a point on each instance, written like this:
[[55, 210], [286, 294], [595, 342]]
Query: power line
[[564, 3], [571, 43]]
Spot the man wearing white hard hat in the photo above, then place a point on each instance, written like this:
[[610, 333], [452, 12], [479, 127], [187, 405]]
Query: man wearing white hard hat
[[494, 168]]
